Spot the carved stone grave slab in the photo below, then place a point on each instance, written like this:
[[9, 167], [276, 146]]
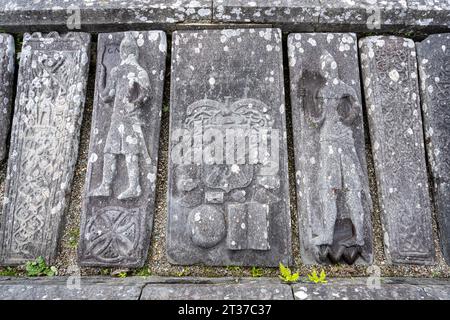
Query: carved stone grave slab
[[390, 78], [228, 183], [119, 194], [6, 88], [434, 69], [44, 144], [333, 194]]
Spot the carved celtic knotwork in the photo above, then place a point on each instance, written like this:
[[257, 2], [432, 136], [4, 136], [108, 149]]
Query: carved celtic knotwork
[[44, 142], [113, 234]]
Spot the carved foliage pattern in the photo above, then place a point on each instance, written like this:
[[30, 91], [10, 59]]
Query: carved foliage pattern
[[441, 114], [402, 160]]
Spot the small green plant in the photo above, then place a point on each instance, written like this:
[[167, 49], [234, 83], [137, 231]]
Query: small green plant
[[317, 278], [166, 108], [105, 272], [18, 44], [234, 268], [39, 268], [286, 274], [8, 272], [257, 272], [73, 238], [184, 272], [143, 272], [435, 274], [122, 274]]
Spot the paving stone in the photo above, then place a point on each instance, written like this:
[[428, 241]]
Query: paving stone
[[94, 15], [434, 67], [253, 290], [437, 292], [429, 13], [7, 77], [154, 288], [44, 144], [390, 78], [119, 195], [363, 15], [337, 291], [333, 190], [295, 13], [228, 185], [62, 288]]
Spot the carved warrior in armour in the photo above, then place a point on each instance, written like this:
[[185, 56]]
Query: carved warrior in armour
[[340, 177], [128, 88]]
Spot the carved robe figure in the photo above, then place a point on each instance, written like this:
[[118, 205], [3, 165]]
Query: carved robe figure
[[128, 88], [340, 177]]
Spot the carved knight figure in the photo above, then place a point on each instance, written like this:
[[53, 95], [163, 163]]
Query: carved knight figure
[[340, 177], [128, 88]]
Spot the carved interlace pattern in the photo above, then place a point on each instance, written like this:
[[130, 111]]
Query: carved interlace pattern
[[401, 158], [47, 113], [441, 116]]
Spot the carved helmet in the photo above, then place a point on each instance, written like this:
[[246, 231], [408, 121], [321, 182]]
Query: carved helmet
[[128, 46]]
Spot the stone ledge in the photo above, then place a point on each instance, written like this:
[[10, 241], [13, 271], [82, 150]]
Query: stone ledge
[[162, 288], [100, 15], [244, 289], [338, 15], [389, 289], [289, 15]]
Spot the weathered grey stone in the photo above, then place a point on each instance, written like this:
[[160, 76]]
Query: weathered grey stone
[[89, 15], [6, 87], [153, 288], [290, 15], [120, 186], [363, 15], [333, 195], [44, 144], [434, 67], [429, 13], [294, 13], [437, 292], [228, 199], [247, 290], [389, 70], [335, 290], [84, 288]]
